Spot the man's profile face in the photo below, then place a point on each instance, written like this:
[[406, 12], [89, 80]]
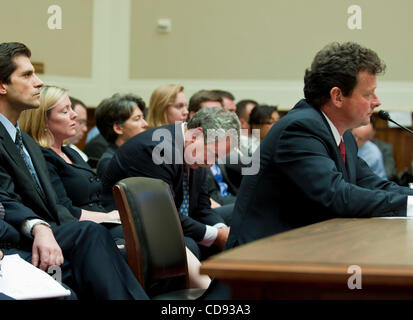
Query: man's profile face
[[360, 105], [81, 123], [198, 154], [23, 91]]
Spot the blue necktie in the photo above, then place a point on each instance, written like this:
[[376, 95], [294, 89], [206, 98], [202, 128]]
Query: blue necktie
[[29, 165], [184, 209]]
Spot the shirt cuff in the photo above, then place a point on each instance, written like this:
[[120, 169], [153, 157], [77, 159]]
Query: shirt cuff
[[211, 234], [409, 211], [29, 224]]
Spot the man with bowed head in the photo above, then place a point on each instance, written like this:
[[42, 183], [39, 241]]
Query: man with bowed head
[[179, 153]]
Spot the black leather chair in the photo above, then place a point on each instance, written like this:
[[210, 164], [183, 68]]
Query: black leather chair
[[153, 235]]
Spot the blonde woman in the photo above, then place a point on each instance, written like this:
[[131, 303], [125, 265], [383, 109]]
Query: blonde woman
[[167, 105], [73, 179]]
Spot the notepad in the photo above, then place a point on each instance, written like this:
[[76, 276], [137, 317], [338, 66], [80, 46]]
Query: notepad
[[23, 281]]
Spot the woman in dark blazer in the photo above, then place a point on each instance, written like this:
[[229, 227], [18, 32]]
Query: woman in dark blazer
[[74, 181]]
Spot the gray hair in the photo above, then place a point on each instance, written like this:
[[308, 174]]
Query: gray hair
[[217, 123]]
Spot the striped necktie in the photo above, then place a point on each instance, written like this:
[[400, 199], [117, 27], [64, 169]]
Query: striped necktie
[[184, 209], [2, 212], [29, 164]]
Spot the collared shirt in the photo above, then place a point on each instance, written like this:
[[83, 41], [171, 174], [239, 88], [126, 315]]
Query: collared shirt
[[28, 224], [371, 153], [338, 138], [211, 232]]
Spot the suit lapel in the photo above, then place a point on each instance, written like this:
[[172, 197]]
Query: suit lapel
[[11, 149], [41, 171], [341, 166]]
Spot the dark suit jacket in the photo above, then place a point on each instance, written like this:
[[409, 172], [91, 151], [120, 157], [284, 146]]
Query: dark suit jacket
[[134, 159], [76, 184], [17, 181], [303, 180], [96, 147], [105, 160]]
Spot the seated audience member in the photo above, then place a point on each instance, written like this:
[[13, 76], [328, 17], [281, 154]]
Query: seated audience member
[[243, 111], [118, 118], [368, 151], [203, 99], [189, 149], [167, 105], [234, 168], [89, 259], [262, 118], [387, 153], [228, 100], [81, 126], [77, 186]]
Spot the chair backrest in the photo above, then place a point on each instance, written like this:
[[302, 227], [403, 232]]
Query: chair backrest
[[153, 234]]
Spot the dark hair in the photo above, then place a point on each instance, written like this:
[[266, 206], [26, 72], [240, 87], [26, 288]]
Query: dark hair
[[338, 65], [75, 102], [260, 114], [202, 96], [242, 105], [224, 94], [8, 51], [116, 110]]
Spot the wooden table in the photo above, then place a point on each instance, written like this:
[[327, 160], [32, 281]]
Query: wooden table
[[312, 262]]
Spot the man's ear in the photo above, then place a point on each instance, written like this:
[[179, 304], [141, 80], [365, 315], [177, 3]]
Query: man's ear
[[336, 96], [194, 134], [118, 129], [3, 88]]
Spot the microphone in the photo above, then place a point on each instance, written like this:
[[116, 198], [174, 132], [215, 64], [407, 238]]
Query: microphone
[[385, 116]]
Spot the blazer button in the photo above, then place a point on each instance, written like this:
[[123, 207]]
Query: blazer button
[[91, 179]]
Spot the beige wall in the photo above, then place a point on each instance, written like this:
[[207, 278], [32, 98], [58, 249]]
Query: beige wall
[[255, 49], [65, 52], [262, 39]]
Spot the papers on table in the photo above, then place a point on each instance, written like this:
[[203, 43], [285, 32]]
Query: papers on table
[[21, 280]]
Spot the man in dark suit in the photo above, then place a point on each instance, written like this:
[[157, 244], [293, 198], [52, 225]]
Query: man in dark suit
[[90, 261], [309, 169], [166, 153]]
